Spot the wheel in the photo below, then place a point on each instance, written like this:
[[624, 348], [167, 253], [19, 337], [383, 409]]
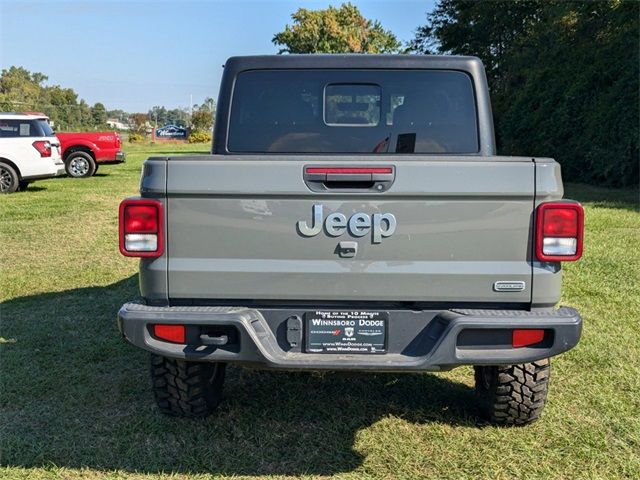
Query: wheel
[[9, 180], [186, 389], [513, 394], [80, 165], [23, 185]]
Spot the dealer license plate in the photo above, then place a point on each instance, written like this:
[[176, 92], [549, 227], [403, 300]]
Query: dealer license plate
[[345, 331]]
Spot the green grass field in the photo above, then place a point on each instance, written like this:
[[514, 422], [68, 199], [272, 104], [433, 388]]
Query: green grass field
[[76, 402]]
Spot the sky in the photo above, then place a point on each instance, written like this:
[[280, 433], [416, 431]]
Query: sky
[[136, 54]]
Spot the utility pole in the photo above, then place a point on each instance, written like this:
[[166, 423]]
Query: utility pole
[[155, 129]]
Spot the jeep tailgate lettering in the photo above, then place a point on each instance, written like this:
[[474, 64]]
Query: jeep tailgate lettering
[[359, 224]]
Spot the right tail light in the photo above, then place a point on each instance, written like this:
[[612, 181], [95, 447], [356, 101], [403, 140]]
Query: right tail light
[[559, 231]]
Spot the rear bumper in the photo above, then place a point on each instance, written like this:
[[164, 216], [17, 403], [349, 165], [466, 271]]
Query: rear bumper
[[418, 341], [111, 157]]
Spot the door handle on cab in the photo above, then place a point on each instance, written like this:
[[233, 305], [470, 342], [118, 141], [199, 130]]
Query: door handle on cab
[[322, 178]]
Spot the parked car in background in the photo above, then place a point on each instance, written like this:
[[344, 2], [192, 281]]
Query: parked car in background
[[171, 131], [29, 150], [83, 152]]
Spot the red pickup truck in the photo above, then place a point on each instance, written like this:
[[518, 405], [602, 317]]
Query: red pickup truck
[[82, 152]]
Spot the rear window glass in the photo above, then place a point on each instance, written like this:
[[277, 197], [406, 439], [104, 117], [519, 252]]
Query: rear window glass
[[19, 128], [46, 128], [353, 111], [352, 105]]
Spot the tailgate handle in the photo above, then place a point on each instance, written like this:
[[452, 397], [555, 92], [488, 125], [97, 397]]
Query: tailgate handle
[[370, 178], [217, 341]]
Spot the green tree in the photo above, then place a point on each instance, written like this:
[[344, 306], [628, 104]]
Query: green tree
[[98, 114], [201, 121], [175, 116], [138, 123], [563, 78], [158, 116], [24, 91], [63, 108], [20, 90], [84, 113], [335, 30], [118, 114], [208, 105]]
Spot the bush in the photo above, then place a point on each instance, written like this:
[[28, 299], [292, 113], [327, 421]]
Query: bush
[[199, 137], [135, 138]]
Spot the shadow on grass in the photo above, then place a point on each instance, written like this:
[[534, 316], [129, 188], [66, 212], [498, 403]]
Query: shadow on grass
[[32, 188], [74, 394]]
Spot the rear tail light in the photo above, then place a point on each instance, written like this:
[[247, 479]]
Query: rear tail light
[[141, 228], [170, 333], [118, 141], [559, 231], [43, 147]]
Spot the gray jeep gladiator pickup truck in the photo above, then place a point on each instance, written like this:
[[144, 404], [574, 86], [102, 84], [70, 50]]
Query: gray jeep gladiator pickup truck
[[353, 215]]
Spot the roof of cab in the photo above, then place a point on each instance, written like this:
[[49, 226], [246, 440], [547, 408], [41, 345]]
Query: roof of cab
[[353, 61]]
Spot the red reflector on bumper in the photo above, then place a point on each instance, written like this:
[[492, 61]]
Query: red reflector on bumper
[[170, 333], [526, 337]]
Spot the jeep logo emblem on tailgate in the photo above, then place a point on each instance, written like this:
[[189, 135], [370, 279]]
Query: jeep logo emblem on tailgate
[[380, 224]]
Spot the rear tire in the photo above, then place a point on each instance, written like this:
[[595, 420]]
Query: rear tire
[[80, 165], [186, 389], [9, 180], [513, 394]]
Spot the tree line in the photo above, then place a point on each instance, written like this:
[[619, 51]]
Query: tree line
[[25, 91], [563, 77]]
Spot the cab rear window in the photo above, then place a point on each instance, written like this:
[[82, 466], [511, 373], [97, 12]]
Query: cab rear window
[[353, 111]]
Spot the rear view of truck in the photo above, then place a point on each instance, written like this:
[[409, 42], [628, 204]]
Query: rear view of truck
[[353, 215]]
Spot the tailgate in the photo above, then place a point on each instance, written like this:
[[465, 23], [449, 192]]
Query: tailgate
[[235, 231]]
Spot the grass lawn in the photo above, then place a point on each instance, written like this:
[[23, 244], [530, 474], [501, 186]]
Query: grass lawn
[[76, 403]]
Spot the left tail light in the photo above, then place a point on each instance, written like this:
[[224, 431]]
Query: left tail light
[[43, 147], [559, 231], [141, 228]]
